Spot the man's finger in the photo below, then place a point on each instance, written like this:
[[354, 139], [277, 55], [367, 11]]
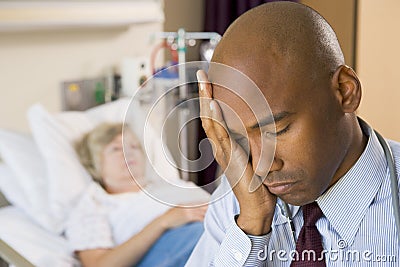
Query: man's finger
[[208, 121], [205, 95], [220, 129], [204, 84]]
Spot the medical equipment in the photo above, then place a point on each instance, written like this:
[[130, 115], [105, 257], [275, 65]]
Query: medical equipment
[[393, 181], [180, 40], [393, 185]]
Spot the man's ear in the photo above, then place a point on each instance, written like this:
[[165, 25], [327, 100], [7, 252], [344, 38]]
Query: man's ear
[[348, 88]]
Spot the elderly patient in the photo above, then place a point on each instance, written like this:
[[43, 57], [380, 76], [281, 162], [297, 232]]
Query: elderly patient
[[115, 222]]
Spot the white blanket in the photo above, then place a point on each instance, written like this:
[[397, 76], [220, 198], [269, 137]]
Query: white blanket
[[36, 244]]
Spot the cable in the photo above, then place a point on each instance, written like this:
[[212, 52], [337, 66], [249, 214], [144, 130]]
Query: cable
[[393, 182]]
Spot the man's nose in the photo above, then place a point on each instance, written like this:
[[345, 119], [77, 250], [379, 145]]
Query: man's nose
[[264, 158]]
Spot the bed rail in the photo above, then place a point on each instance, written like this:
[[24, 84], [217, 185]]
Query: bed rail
[[9, 255]]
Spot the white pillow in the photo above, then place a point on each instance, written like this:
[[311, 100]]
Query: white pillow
[[24, 183], [55, 134], [10, 187], [42, 248]]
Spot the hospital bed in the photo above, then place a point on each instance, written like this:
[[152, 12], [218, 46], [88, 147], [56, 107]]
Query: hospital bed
[[42, 179]]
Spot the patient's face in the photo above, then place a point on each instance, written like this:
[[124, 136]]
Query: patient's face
[[115, 171]]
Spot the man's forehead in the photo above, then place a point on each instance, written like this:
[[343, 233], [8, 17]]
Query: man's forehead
[[254, 83], [229, 82], [241, 111]]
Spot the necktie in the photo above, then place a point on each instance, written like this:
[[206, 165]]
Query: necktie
[[309, 244]]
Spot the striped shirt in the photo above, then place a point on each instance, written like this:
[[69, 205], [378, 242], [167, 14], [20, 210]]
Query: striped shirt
[[357, 229]]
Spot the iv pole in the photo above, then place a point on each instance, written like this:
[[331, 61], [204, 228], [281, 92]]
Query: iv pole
[[181, 36]]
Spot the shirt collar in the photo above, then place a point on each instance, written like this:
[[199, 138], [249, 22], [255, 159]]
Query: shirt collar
[[346, 203]]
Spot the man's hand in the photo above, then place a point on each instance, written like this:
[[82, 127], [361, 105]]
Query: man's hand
[[256, 207]]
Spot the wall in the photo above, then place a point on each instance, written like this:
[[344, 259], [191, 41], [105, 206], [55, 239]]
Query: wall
[[340, 14], [34, 63], [378, 57]]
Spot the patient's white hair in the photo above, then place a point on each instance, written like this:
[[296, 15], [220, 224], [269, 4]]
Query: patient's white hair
[[90, 147]]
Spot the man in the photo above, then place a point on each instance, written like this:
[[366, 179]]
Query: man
[[328, 164]]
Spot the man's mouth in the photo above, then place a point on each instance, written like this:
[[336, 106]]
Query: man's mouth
[[280, 188]]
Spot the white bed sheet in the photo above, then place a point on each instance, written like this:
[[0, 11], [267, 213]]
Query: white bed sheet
[[40, 247]]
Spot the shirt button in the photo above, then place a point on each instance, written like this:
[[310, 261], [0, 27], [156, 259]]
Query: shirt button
[[237, 255]]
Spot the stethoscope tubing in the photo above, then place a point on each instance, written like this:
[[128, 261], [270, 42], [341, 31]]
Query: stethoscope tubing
[[393, 182]]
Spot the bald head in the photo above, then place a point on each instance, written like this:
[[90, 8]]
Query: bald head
[[289, 32]]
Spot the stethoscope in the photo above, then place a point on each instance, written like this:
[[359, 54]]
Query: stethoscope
[[393, 186]]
